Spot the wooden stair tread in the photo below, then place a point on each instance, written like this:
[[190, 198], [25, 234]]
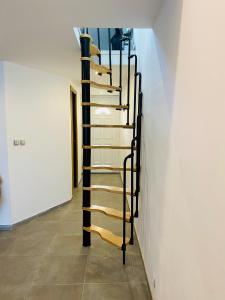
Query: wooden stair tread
[[107, 235], [106, 188], [94, 50], [108, 211], [86, 35], [102, 86], [107, 147], [104, 105], [99, 68], [107, 126], [106, 167]]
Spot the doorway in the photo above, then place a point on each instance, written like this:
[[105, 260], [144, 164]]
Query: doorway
[[74, 140]]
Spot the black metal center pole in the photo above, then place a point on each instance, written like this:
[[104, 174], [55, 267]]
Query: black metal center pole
[[85, 52]]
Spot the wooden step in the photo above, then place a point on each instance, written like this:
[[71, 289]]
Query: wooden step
[[102, 86], [107, 235], [107, 126], [107, 147], [94, 50], [100, 68], [96, 67], [108, 211], [106, 167], [104, 105], [86, 35], [106, 188]]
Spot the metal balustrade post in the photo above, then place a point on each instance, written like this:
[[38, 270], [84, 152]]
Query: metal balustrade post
[[99, 46], [110, 55], [132, 193], [124, 205], [120, 75], [128, 84]]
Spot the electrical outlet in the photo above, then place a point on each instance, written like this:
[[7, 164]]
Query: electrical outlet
[[22, 143], [16, 142]]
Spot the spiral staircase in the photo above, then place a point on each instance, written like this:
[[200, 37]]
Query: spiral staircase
[[88, 53]]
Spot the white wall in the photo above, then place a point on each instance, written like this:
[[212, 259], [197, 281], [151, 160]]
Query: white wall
[[38, 111], [5, 216], [183, 163]]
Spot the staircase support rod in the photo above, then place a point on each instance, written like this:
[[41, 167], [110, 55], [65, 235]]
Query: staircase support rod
[[85, 64]]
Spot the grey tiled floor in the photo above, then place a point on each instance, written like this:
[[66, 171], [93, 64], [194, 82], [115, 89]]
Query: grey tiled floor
[[43, 259]]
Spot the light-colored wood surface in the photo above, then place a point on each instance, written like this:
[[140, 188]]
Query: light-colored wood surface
[[99, 68], [107, 188], [107, 126], [104, 105], [94, 50], [86, 35], [107, 147], [107, 235], [108, 211], [106, 167], [102, 86]]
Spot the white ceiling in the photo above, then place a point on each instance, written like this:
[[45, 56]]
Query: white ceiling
[[39, 33]]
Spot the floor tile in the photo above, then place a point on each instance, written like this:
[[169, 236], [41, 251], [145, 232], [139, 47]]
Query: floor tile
[[119, 291], [30, 245], [106, 270], [140, 290], [61, 270], [72, 215], [56, 292], [6, 245], [107, 291], [67, 245], [14, 292], [18, 270]]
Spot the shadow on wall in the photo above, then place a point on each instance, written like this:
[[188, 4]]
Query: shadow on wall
[[157, 51]]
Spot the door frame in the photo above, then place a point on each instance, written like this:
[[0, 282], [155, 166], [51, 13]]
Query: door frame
[[73, 114]]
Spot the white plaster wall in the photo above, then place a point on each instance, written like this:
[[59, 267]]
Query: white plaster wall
[[37, 110], [5, 215], [183, 163]]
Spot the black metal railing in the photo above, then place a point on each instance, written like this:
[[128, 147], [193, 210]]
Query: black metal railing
[[124, 205], [138, 148], [135, 141], [128, 84]]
